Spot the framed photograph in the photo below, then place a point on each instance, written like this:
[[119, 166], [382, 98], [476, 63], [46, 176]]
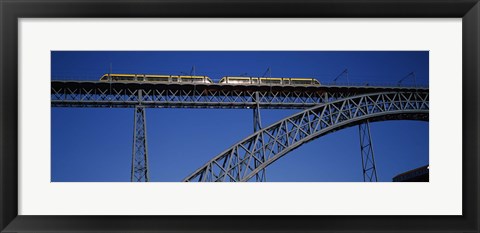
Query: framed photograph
[[181, 116]]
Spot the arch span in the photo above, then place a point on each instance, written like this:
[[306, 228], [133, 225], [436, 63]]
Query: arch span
[[237, 164]]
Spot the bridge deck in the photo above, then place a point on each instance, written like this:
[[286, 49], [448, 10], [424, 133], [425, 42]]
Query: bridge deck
[[187, 95]]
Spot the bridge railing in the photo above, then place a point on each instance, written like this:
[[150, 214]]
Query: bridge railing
[[125, 95]]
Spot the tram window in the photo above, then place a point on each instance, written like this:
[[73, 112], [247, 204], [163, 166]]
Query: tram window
[[269, 81], [188, 80], [301, 82], [121, 78], [238, 81], [157, 79]]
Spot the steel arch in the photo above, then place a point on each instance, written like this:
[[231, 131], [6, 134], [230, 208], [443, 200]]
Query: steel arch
[[269, 144]]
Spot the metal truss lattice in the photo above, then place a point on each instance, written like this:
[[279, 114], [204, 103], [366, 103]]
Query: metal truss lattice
[[257, 125], [237, 164], [128, 95], [140, 151], [366, 151]]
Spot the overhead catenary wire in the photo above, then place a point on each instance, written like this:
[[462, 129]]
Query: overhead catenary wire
[[269, 72], [411, 74], [110, 80], [345, 71]]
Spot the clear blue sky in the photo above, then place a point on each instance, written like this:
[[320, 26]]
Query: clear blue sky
[[95, 145]]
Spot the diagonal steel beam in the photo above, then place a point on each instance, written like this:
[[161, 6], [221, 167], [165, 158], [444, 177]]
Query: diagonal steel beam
[[293, 126]]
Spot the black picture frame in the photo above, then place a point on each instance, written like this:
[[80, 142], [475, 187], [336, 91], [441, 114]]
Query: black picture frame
[[11, 11]]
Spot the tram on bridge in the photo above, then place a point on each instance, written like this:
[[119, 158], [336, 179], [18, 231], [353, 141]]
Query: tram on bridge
[[235, 80]]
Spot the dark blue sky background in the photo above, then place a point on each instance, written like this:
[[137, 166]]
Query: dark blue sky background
[[96, 144]]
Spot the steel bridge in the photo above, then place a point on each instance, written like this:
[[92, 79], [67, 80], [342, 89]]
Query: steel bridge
[[325, 110]]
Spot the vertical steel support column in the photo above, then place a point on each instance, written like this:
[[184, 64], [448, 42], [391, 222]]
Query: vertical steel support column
[[366, 150], [257, 125], [140, 152]]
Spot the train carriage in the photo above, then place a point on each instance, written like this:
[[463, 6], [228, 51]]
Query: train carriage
[[151, 78], [269, 81]]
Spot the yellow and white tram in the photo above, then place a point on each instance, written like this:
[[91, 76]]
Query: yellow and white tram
[[269, 81], [153, 78]]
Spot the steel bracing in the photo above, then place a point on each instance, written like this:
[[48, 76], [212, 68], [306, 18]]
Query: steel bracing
[[237, 164], [257, 125], [246, 160], [129, 95], [140, 151], [366, 151]]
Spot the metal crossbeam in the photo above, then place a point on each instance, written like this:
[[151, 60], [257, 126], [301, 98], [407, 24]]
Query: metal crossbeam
[[237, 163], [126, 95], [140, 151], [366, 151]]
